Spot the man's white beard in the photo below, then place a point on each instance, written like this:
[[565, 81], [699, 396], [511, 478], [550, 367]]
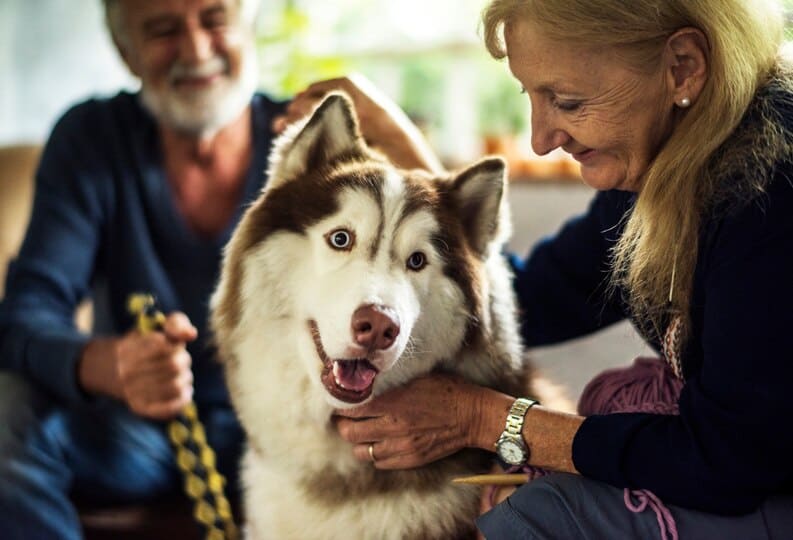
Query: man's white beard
[[203, 113]]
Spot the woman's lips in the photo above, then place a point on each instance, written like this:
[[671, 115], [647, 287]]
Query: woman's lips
[[584, 156]]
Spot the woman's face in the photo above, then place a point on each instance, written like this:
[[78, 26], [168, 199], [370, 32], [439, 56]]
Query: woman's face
[[611, 119]]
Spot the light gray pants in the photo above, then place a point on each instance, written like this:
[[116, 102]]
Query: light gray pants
[[570, 507]]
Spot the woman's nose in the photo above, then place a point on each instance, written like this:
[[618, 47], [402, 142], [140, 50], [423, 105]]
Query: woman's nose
[[546, 135]]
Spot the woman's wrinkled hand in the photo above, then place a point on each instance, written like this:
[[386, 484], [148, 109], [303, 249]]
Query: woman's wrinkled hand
[[427, 419]]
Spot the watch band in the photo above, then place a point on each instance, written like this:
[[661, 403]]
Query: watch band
[[517, 413], [511, 447]]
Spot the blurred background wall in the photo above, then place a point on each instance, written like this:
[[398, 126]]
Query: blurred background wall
[[52, 53], [425, 54]]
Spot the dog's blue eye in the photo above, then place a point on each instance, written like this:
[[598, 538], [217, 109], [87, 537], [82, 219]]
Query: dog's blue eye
[[341, 239], [416, 261]]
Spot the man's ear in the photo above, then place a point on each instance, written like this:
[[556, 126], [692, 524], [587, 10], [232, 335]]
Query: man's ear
[[331, 131], [686, 62], [125, 57], [123, 49], [479, 195]]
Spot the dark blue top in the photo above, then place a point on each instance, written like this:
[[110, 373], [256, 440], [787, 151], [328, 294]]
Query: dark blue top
[[732, 445], [104, 223]]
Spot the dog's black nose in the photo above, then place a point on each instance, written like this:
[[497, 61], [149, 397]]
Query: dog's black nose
[[375, 327]]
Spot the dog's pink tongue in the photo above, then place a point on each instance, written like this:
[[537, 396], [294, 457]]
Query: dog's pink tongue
[[354, 374]]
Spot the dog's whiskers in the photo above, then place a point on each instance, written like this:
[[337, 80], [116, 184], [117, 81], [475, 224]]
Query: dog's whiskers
[[412, 348]]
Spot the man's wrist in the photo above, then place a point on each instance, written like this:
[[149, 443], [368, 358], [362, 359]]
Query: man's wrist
[[96, 368]]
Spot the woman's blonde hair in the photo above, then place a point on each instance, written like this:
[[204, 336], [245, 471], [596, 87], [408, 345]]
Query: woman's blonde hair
[[655, 257]]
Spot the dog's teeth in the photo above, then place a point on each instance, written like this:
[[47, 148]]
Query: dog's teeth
[[336, 372]]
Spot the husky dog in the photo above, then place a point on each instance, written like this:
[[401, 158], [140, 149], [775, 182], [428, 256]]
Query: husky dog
[[346, 278]]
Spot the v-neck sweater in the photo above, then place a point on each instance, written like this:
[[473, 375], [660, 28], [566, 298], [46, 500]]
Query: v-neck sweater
[[105, 224]]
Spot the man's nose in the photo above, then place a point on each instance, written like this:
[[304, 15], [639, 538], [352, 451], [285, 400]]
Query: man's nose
[[196, 46]]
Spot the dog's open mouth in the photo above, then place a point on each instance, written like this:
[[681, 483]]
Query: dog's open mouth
[[347, 379]]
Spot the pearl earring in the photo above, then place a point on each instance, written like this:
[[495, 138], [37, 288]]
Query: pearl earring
[[685, 103]]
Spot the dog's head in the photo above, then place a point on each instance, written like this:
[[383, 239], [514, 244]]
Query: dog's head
[[379, 270]]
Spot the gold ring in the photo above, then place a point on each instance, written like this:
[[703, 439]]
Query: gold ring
[[371, 452]]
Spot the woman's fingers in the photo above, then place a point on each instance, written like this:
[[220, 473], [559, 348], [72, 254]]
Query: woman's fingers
[[405, 452], [362, 430]]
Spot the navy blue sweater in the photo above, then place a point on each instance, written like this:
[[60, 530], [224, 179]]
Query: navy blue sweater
[[105, 223], [732, 445]]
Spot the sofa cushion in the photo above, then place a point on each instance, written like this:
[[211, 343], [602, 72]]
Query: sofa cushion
[[17, 168]]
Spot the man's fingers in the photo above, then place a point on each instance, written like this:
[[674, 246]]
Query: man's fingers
[[166, 410], [161, 388], [302, 105], [306, 100], [163, 359], [163, 400], [168, 364], [318, 89], [179, 362], [155, 386], [279, 124], [178, 327]]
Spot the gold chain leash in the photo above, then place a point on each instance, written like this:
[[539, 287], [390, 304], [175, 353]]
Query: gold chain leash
[[194, 457]]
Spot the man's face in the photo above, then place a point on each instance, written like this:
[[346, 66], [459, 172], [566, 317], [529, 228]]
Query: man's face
[[195, 60]]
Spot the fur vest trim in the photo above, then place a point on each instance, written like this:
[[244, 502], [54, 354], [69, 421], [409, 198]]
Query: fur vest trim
[[749, 159]]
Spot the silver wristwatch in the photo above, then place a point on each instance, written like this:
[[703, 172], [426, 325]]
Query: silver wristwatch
[[511, 447]]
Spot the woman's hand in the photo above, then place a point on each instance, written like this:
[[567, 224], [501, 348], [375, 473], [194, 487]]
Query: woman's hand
[[383, 124], [427, 419]]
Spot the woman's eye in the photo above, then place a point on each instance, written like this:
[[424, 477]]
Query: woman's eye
[[341, 239], [567, 106], [416, 261]]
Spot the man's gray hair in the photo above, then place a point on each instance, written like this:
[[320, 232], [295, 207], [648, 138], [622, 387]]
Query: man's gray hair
[[249, 9], [113, 20]]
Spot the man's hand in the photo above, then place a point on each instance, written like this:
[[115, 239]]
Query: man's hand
[[429, 418], [149, 372], [383, 124]]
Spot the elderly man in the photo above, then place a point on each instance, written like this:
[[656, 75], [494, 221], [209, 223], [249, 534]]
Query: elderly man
[[138, 192]]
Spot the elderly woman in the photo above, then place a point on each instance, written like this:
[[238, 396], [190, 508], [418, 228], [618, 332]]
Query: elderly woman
[[681, 115]]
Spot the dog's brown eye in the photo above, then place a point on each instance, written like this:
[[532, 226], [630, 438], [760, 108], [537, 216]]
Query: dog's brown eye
[[416, 261], [341, 239]]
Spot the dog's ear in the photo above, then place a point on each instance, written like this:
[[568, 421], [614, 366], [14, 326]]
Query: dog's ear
[[479, 196], [330, 132]]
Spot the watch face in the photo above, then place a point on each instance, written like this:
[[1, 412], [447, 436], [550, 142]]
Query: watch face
[[511, 452]]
